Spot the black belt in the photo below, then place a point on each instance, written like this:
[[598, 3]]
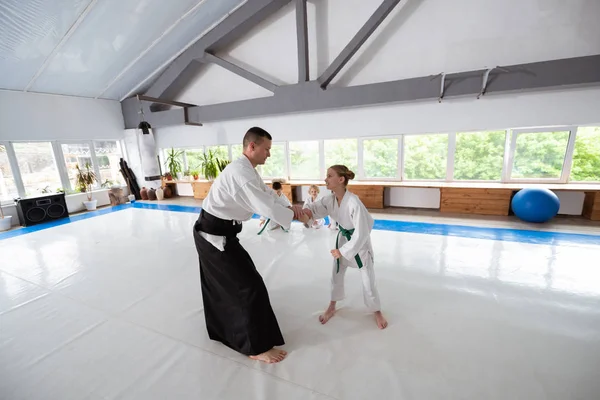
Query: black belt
[[213, 225]]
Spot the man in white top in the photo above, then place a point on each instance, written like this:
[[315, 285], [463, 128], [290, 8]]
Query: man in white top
[[237, 309]]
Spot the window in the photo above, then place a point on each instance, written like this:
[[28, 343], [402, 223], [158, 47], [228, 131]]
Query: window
[[425, 156], [341, 151], [236, 151], [76, 155], [221, 152], [38, 167], [586, 157], [194, 159], [304, 157], [275, 167], [479, 155], [108, 156], [8, 188], [380, 158], [539, 155]]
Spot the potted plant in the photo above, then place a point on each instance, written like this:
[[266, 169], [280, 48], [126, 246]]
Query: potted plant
[[209, 165], [195, 173], [85, 180], [5, 220], [221, 164], [173, 164]]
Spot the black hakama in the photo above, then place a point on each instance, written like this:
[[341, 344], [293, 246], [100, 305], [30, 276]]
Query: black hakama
[[237, 309]]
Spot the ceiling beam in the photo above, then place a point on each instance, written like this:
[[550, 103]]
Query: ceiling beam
[[308, 96], [143, 97], [209, 57], [60, 44], [232, 28], [302, 39], [357, 41]]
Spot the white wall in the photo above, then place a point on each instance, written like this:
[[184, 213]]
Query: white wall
[[493, 112], [33, 116]]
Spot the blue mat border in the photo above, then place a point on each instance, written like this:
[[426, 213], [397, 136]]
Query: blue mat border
[[474, 232]]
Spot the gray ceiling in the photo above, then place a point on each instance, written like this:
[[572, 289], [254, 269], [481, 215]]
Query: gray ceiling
[[97, 48]]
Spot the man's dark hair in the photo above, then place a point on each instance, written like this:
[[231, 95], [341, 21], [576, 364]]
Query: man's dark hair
[[276, 185], [256, 135]]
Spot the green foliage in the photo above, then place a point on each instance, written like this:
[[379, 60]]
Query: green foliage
[[85, 179], [304, 158], [275, 165], [209, 165], [194, 158], [540, 155], [586, 157], [174, 161], [221, 164], [425, 156], [221, 152], [380, 158], [479, 155], [342, 151]]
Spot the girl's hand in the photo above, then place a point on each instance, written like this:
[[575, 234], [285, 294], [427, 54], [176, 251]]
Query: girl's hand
[[336, 253]]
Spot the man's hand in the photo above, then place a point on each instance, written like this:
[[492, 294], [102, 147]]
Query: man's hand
[[336, 253], [304, 218], [262, 222], [298, 211]]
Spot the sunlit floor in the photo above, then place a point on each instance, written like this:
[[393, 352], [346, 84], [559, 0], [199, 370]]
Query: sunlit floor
[[109, 307]]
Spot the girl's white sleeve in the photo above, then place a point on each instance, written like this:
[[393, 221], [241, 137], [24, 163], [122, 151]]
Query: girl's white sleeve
[[318, 208]]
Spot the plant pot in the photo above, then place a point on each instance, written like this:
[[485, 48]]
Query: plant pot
[[5, 223], [90, 205], [160, 194], [195, 177]]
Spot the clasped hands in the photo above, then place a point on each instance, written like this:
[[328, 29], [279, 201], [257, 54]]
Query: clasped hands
[[301, 214]]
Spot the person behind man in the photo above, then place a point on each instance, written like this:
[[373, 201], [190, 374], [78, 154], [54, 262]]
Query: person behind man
[[237, 308], [284, 201]]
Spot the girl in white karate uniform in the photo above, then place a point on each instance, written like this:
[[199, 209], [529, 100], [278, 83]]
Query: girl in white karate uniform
[[353, 242], [313, 193]]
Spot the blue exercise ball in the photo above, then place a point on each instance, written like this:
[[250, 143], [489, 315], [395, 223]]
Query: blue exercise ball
[[535, 204]]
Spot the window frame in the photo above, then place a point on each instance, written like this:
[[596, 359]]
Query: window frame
[[321, 161], [14, 168], [567, 160], [445, 178], [361, 152], [450, 178], [576, 128], [60, 167], [286, 172]]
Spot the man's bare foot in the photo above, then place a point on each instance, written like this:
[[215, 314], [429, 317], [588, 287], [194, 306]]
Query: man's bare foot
[[380, 319], [271, 356], [330, 312]]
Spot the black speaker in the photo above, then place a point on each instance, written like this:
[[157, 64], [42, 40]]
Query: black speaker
[[35, 210]]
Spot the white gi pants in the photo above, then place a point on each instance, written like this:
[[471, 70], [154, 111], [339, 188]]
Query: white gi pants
[[367, 274]]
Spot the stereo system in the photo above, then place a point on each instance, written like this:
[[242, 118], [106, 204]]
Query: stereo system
[[36, 210]]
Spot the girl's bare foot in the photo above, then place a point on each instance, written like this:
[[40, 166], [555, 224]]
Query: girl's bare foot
[[330, 312], [272, 356], [380, 319]]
